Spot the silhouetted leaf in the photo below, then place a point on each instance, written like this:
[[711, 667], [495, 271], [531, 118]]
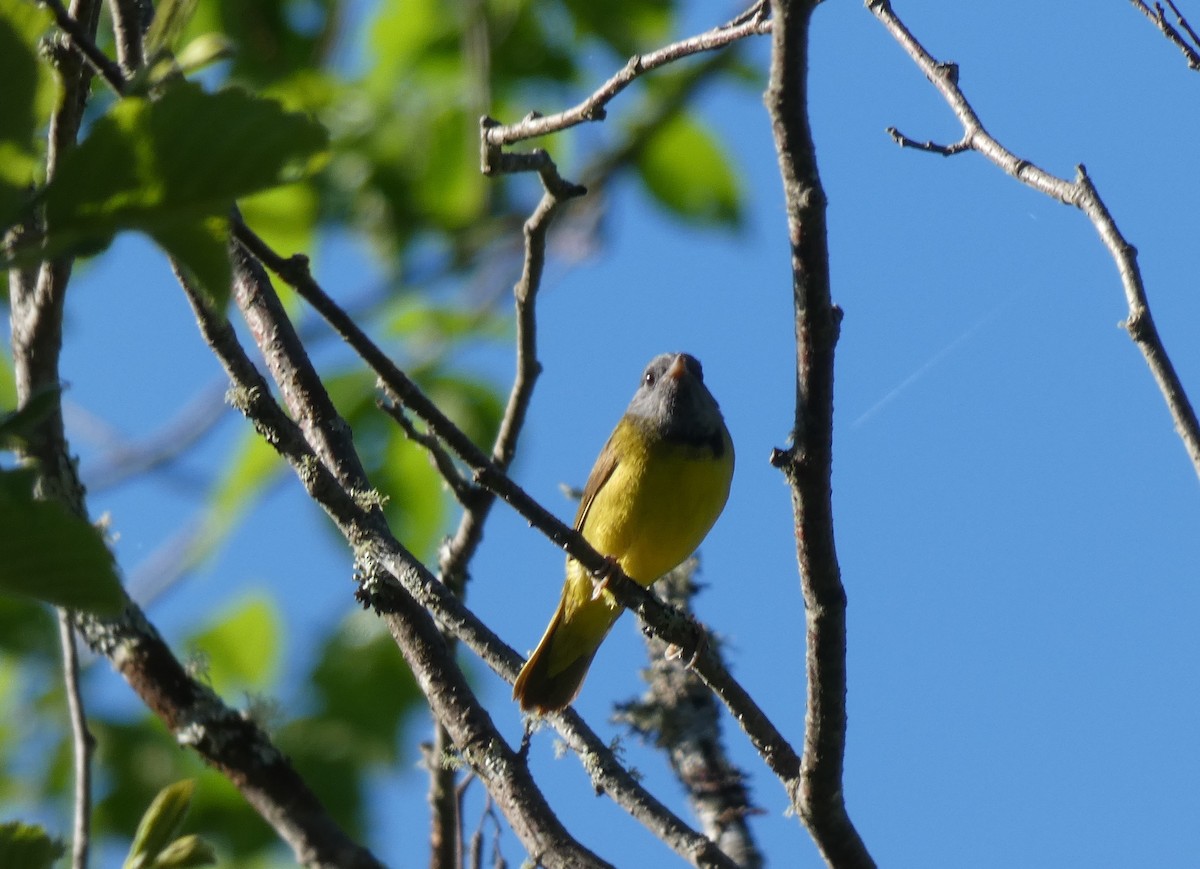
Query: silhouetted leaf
[[51, 554]]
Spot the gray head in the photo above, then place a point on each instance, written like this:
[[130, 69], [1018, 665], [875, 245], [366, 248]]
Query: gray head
[[673, 399]]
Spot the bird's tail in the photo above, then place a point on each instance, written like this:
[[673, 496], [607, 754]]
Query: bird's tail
[[554, 673]]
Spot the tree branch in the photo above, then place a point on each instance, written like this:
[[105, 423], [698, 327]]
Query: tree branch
[[375, 546], [752, 22], [128, 27], [683, 719], [251, 395], [1187, 42], [456, 554], [319, 447], [224, 737], [808, 463], [83, 744], [1081, 194], [666, 622]]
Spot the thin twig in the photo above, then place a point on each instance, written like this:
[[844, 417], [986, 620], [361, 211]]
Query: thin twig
[[82, 741], [251, 395], [456, 554], [81, 39], [665, 621], [808, 462], [323, 449], [750, 23], [1158, 16], [1080, 193]]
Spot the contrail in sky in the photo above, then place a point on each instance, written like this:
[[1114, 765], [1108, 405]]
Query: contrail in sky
[[933, 361]]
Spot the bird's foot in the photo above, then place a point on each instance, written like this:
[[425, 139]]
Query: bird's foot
[[601, 577], [676, 653]]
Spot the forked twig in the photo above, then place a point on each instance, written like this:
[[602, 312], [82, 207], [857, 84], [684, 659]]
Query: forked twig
[[1080, 193]]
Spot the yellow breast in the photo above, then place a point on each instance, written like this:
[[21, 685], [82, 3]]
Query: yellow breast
[[660, 501]]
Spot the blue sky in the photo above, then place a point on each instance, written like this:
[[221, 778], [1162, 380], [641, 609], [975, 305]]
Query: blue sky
[[1016, 519]]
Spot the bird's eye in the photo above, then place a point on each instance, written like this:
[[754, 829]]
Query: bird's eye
[[648, 378]]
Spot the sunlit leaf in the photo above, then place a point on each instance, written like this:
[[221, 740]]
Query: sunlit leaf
[[241, 648], [254, 465], [285, 217], [169, 166], [29, 93], [200, 245], [186, 852], [685, 169], [160, 824]]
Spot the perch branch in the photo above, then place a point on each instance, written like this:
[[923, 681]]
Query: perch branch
[[664, 620]]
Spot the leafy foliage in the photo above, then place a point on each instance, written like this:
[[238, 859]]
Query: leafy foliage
[[156, 846], [51, 554], [330, 119], [173, 167], [29, 94], [28, 846]]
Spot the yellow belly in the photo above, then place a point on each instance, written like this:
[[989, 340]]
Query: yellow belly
[[657, 506]]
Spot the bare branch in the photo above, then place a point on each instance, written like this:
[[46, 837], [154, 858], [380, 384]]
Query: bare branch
[[128, 27], [1187, 42], [81, 38], [376, 546], [752, 22], [82, 742], [928, 145], [1081, 194], [665, 621], [807, 463], [320, 449]]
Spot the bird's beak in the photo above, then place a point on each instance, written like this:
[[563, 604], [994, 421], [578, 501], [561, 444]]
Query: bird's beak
[[678, 368]]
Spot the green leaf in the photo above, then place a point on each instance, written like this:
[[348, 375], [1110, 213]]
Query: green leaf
[[242, 645], [285, 217], [255, 464], [627, 26], [29, 94], [15, 427], [28, 846], [186, 852], [8, 381], [364, 691], [169, 166], [171, 17], [201, 247], [51, 554], [160, 823], [688, 172]]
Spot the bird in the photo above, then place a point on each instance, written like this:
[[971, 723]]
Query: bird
[[656, 489]]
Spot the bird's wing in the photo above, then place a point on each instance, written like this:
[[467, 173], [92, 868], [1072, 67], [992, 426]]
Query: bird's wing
[[602, 471]]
